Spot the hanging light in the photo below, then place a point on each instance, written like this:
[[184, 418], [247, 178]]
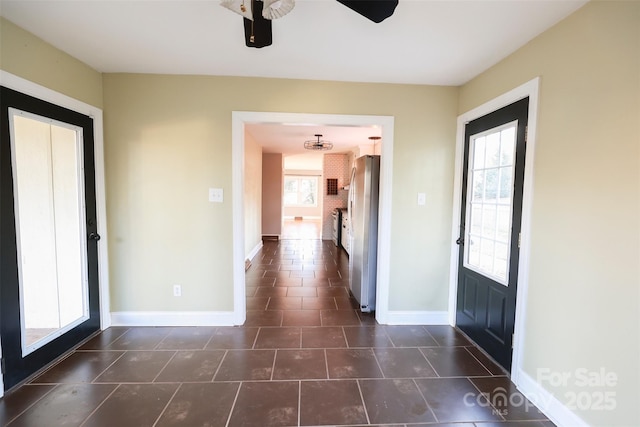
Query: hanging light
[[317, 144]]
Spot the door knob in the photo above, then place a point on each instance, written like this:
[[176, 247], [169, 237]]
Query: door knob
[[94, 236], [460, 241]]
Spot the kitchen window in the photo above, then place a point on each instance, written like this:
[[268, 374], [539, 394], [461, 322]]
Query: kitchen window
[[300, 190]]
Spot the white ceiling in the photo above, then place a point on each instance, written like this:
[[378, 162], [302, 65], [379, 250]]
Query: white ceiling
[[444, 42]]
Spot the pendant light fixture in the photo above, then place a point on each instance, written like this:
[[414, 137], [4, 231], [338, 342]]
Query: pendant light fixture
[[317, 144]]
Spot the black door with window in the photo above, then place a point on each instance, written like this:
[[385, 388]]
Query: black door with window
[[49, 296], [491, 212]]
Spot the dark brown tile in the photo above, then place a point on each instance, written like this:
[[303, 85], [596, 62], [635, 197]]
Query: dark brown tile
[[136, 367], [367, 319], [104, 339], [260, 281], [264, 318], [491, 366], [344, 303], [306, 274], [367, 336], [447, 336], [233, 337], [324, 337], [300, 365], [314, 282], [271, 291], [206, 404], [288, 281], [285, 303], [331, 403], [410, 336], [250, 291], [16, 402], [266, 404], [140, 339], [66, 405], [454, 400], [278, 275], [187, 338], [278, 338], [190, 366], [454, 362], [319, 303], [246, 365], [79, 367], [507, 400], [352, 363], [403, 363], [339, 318], [257, 303], [394, 401], [301, 318], [132, 405], [301, 292], [333, 292]]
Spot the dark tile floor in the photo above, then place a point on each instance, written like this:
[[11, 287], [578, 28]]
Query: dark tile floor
[[305, 357]]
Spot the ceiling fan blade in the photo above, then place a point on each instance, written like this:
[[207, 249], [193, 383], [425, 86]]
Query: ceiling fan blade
[[375, 10]]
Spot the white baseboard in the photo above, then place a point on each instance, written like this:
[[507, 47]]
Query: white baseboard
[[172, 318], [417, 318], [254, 251], [557, 412]]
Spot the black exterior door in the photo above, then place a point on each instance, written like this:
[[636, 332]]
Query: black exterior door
[[80, 223], [493, 177]]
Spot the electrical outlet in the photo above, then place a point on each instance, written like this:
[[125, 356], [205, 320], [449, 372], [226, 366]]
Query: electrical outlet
[[177, 290], [422, 199]]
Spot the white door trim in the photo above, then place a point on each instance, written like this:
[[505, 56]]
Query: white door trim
[[386, 123], [27, 87], [529, 89]]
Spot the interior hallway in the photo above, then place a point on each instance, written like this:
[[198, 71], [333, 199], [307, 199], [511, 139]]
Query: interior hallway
[[305, 357]]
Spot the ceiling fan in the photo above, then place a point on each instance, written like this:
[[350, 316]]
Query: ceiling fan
[[317, 144], [258, 15]]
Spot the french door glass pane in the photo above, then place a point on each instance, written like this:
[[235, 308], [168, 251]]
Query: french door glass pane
[[49, 196], [489, 207]]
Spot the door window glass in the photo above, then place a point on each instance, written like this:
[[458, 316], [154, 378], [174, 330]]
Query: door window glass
[[50, 225], [488, 210]]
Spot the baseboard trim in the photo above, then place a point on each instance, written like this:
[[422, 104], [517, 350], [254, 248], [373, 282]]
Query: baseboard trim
[[254, 251], [172, 318], [417, 318], [555, 410]]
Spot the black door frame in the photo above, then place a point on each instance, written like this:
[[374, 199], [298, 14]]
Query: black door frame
[[528, 89], [27, 87]]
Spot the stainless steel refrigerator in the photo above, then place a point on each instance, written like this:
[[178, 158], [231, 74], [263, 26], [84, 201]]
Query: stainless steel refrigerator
[[363, 230]]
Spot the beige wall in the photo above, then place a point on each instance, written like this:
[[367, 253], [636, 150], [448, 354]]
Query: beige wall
[[272, 186], [583, 302], [252, 194], [27, 56], [168, 139]]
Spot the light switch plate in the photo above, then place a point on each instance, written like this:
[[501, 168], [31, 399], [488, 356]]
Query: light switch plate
[[216, 195], [422, 199]]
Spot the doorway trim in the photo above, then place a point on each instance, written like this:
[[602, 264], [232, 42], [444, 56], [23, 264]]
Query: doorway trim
[[528, 89], [27, 87], [239, 119]]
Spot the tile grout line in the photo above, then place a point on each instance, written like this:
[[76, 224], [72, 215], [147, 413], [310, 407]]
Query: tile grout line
[[364, 405], [494, 410], [100, 405], [426, 401], [165, 366], [167, 405], [93, 381], [429, 362], [224, 356], [233, 405]]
